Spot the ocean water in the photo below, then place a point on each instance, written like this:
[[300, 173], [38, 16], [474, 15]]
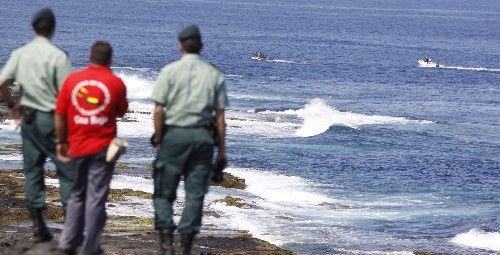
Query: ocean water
[[346, 144]]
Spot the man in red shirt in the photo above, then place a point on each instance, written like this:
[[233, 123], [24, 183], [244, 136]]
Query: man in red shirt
[[88, 104]]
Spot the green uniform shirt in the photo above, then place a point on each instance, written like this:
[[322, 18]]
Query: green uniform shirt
[[190, 89], [39, 68]]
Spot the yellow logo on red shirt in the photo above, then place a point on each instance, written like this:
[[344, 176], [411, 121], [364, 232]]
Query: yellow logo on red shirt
[[90, 97]]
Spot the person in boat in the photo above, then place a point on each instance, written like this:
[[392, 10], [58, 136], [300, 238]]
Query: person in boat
[[427, 60]]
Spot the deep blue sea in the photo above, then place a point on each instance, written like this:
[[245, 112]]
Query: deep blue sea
[[347, 145]]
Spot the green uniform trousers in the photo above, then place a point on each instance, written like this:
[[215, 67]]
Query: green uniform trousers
[[38, 135], [184, 152]]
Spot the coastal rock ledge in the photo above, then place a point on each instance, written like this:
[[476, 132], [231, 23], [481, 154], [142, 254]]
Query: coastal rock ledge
[[15, 233]]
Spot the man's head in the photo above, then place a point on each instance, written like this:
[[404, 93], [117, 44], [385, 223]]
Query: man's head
[[44, 22], [101, 53], [190, 40]]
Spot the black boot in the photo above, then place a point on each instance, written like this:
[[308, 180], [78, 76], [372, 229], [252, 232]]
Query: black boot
[[167, 242], [187, 243], [40, 231], [65, 252]]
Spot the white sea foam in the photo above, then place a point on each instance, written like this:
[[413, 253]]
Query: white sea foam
[[137, 124], [138, 86], [11, 157], [132, 206], [358, 252], [478, 238], [259, 125], [9, 126], [291, 207], [280, 188], [318, 117], [257, 97], [132, 182]]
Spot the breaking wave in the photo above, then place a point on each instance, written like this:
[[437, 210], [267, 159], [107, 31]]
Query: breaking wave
[[318, 117], [478, 238]]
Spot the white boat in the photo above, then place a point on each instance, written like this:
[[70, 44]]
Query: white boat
[[427, 63], [260, 56]]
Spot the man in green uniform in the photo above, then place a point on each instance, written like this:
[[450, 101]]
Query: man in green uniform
[[39, 68], [187, 93]]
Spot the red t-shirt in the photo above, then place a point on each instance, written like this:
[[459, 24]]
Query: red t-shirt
[[91, 99]]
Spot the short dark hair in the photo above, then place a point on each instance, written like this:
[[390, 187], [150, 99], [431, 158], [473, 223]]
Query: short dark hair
[[192, 45], [44, 27], [101, 53]]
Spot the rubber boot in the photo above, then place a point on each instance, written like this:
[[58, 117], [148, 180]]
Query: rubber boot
[[40, 231], [65, 252], [186, 244], [167, 242]]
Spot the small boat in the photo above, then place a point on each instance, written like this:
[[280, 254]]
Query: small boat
[[427, 62], [260, 56]]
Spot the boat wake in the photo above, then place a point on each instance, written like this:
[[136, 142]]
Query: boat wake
[[478, 69]]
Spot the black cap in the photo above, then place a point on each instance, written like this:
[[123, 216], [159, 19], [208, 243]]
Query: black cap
[[189, 32], [45, 13]]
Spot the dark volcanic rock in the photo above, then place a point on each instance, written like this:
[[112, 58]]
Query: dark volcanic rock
[[123, 234]]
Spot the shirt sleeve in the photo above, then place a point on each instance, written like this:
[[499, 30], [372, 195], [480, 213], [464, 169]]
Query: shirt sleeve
[[63, 68], [62, 101], [10, 68], [221, 101], [160, 91]]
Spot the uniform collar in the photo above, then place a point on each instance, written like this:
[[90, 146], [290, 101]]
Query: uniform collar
[[41, 39], [191, 56]]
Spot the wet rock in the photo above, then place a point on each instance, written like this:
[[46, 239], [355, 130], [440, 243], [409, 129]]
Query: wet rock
[[211, 214], [231, 181], [116, 195], [233, 201], [422, 253], [123, 234], [123, 166]]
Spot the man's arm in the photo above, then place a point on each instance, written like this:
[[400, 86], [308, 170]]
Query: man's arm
[[9, 101], [158, 119], [221, 131], [123, 104], [61, 143], [63, 68]]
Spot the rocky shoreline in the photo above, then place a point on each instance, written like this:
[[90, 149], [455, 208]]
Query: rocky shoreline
[[4, 113], [123, 234]]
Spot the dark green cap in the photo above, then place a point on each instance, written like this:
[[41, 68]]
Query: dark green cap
[[45, 13], [189, 32]]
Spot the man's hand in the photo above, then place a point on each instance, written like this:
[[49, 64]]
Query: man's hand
[[220, 164], [221, 161], [62, 152]]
